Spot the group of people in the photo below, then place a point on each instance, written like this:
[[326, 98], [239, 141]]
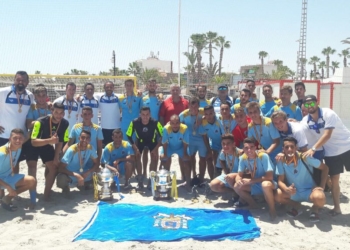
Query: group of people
[[284, 151]]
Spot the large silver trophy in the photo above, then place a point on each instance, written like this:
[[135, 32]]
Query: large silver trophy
[[163, 184], [103, 179]]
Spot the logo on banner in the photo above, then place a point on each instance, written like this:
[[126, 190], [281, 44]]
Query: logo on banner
[[171, 221]]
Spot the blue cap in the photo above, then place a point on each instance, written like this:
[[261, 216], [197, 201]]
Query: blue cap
[[223, 87]]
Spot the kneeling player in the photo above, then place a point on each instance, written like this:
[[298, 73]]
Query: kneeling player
[[75, 169], [14, 183], [175, 141], [295, 182], [118, 157]]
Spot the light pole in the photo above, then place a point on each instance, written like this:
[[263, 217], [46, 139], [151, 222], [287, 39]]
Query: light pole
[[113, 60], [178, 46]]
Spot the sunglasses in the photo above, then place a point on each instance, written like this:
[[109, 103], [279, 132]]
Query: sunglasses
[[222, 88], [310, 105]]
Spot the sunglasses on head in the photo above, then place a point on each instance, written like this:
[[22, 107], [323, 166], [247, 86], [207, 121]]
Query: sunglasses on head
[[222, 88], [310, 105]]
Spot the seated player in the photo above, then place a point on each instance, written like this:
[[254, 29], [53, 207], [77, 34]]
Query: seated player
[[118, 157], [228, 160], [14, 183], [74, 168], [175, 141], [255, 177], [295, 182]]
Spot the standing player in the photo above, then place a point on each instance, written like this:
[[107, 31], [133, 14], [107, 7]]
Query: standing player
[[130, 106], [49, 134], [299, 89], [70, 104], [175, 140], [295, 180], [173, 105], [192, 118], [74, 168], [110, 113], [202, 93], [289, 108], [257, 166], [88, 100], [244, 100], [118, 157], [222, 97], [14, 183], [269, 102], [148, 134], [251, 86]]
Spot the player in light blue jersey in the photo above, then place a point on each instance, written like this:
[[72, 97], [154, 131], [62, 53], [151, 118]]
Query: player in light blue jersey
[[130, 106], [226, 119], [245, 94], [251, 86], [228, 161], [202, 94], [74, 168], [295, 180], [175, 140], [269, 102], [9, 180], [192, 118], [96, 136], [263, 131], [211, 130], [118, 157], [255, 177], [292, 110]]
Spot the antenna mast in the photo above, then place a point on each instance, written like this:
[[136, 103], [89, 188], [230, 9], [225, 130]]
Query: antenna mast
[[301, 60]]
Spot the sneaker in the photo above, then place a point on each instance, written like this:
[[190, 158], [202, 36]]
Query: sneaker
[[293, 213], [239, 204], [314, 217]]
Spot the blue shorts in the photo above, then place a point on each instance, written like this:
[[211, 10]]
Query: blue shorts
[[216, 146], [11, 180], [197, 146], [319, 155], [302, 196], [223, 180], [256, 188], [179, 152], [121, 168]]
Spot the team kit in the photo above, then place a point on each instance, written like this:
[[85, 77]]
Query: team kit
[[286, 152]]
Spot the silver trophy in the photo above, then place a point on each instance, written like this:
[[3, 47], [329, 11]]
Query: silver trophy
[[105, 178], [163, 182]]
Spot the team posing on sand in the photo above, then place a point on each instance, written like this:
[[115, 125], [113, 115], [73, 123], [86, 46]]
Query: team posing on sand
[[287, 152]]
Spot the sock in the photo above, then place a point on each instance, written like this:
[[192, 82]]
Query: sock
[[32, 196]]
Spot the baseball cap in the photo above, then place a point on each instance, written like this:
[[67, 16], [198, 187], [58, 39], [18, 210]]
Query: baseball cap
[[310, 98], [223, 87]]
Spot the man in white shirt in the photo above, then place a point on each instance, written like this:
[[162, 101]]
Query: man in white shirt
[[329, 132], [110, 113], [71, 105], [88, 100]]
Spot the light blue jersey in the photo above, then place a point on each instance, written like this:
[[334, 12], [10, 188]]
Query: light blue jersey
[[175, 140], [5, 165], [265, 107], [204, 103], [292, 111], [227, 125], [35, 113], [95, 130], [229, 160], [251, 99], [213, 132], [111, 153], [238, 105], [72, 158], [130, 107], [154, 104]]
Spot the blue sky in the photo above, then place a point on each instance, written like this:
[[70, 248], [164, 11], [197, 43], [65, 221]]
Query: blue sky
[[55, 36]]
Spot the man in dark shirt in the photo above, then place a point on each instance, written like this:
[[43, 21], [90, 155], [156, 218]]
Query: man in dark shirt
[[299, 89], [49, 133], [148, 134]]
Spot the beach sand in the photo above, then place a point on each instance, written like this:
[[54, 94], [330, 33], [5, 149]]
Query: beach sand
[[53, 225]]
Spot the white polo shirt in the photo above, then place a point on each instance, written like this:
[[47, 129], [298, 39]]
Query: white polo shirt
[[10, 117], [109, 109], [93, 103], [339, 142], [73, 105], [295, 130]]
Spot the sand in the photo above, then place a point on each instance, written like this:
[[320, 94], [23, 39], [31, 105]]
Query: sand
[[53, 225]]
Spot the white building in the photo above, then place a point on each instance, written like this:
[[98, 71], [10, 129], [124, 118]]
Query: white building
[[153, 62]]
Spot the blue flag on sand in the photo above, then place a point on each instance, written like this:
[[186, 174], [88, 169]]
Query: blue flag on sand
[[131, 222]]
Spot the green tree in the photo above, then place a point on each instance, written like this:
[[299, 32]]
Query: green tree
[[191, 67], [134, 69], [346, 41], [282, 72], [37, 72], [211, 72], [277, 63], [222, 44], [104, 73], [328, 51], [147, 74], [334, 65], [262, 55], [313, 61], [212, 38], [345, 53], [321, 66], [220, 79], [199, 42], [255, 70]]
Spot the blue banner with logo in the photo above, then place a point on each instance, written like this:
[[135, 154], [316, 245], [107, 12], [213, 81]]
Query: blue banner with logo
[[131, 222]]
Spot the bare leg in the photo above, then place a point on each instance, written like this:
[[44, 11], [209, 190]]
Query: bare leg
[[187, 174], [154, 161], [51, 172], [336, 192], [267, 187], [318, 198], [202, 168], [193, 165], [128, 171], [244, 193], [284, 198], [219, 187], [27, 183], [145, 161], [32, 168]]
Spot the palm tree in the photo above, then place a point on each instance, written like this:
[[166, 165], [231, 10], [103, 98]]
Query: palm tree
[[346, 54], [255, 69], [328, 51], [37, 72], [282, 72], [148, 74], [313, 60], [262, 55], [211, 39], [191, 67], [134, 69], [334, 65], [277, 62], [346, 41], [199, 42], [210, 72], [223, 44], [321, 66]]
